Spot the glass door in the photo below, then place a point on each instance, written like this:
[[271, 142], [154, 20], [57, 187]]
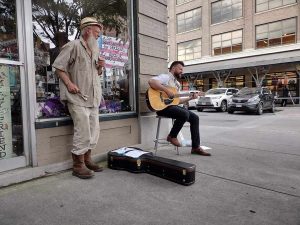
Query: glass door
[[13, 141]]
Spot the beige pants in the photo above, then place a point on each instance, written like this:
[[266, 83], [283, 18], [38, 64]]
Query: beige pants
[[86, 128]]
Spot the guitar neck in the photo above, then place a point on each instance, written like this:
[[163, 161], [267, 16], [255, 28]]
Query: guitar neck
[[182, 95]]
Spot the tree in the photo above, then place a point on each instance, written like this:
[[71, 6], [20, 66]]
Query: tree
[[259, 75], [53, 16], [221, 77]]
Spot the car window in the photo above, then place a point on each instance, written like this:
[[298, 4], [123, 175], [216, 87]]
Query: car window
[[249, 91], [266, 91], [216, 91], [230, 91]]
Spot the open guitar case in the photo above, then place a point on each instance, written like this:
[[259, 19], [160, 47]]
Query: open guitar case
[[136, 160]]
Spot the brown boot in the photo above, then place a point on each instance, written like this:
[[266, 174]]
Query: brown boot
[[79, 168], [90, 164]]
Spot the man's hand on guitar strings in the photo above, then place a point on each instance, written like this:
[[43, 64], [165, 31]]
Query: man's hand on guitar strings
[[194, 95], [170, 94]]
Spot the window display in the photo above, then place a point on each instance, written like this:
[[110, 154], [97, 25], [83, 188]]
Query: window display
[[53, 27], [8, 31], [276, 82]]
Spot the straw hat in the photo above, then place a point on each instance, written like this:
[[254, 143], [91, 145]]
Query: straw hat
[[89, 21]]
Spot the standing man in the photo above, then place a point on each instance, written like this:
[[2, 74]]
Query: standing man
[[180, 114], [78, 67], [285, 95]]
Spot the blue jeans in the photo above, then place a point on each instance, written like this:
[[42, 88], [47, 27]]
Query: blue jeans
[[182, 115]]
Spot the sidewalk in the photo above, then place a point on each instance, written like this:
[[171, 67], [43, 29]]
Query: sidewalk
[[249, 180]]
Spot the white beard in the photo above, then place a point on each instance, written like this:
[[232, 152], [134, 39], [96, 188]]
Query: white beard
[[93, 44]]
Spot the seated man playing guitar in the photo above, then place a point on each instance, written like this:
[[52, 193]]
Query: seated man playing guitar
[[166, 83]]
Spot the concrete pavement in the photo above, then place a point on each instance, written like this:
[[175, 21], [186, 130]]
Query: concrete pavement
[[252, 178]]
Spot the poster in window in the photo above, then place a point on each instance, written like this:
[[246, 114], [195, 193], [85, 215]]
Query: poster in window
[[114, 50], [5, 114]]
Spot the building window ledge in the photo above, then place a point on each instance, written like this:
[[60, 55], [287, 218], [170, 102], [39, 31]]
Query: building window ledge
[[65, 121]]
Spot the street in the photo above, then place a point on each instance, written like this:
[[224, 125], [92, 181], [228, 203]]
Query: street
[[252, 178]]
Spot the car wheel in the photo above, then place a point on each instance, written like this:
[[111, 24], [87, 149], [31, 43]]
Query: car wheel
[[223, 106], [272, 110], [259, 109], [199, 110]]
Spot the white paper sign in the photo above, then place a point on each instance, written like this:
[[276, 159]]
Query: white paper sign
[[5, 114], [130, 152]]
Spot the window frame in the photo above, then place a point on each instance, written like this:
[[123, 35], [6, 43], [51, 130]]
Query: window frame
[[268, 5], [183, 2], [231, 46], [265, 42], [221, 8], [41, 123], [193, 18], [186, 42]]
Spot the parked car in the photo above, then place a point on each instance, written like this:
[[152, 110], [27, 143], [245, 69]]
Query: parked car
[[216, 98], [252, 100]]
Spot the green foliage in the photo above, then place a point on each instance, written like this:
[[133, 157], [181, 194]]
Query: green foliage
[[53, 16]]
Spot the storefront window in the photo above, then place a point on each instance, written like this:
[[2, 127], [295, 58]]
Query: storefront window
[[11, 134], [276, 81], [213, 83], [199, 84], [235, 82], [8, 31], [230, 82], [56, 23]]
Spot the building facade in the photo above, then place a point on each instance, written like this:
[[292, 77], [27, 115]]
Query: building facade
[[35, 127], [236, 43]]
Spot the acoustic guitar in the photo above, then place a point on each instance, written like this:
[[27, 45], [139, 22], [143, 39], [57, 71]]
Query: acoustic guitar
[[159, 100]]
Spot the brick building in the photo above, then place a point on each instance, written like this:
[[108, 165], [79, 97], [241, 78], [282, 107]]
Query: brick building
[[233, 43]]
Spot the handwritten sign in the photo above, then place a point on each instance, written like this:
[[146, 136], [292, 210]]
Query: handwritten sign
[[115, 51], [5, 114]]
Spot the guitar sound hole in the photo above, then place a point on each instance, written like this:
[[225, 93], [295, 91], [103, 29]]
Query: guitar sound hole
[[168, 101]]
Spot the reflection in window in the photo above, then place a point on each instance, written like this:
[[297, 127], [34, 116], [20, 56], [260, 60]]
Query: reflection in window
[[189, 50], [178, 2], [189, 20], [53, 27], [213, 83], [263, 5], [277, 33], [199, 84], [9, 48], [227, 43], [11, 130], [235, 82], [226, 10]]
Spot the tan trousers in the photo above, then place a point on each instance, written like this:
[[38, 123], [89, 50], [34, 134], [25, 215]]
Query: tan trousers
[[86, 128]]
